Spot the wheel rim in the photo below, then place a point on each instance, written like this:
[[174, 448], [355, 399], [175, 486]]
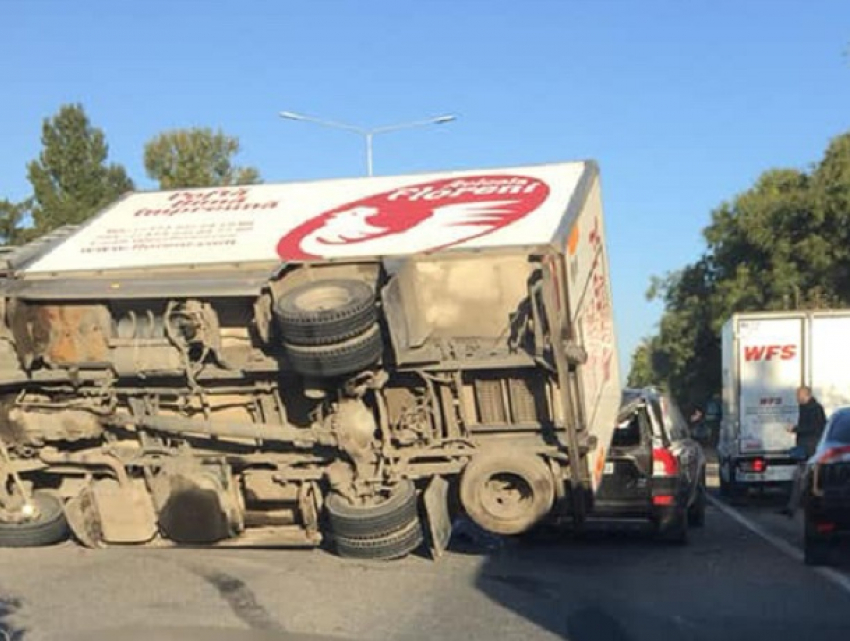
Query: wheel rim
[[507, 496], [320, 299], [23, 513]]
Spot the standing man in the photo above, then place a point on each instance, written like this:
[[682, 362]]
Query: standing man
[[810, 423], [697, 426], [713, 416]]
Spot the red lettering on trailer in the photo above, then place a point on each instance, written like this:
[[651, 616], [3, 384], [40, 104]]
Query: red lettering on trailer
[[769, 352]]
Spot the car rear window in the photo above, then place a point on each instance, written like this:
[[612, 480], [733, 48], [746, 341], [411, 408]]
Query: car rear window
[[627, 433], [839, 430]]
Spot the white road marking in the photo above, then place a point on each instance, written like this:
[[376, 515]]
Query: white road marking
[[834, 576]]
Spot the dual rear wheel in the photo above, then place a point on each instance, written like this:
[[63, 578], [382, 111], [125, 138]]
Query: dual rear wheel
[[386, 528], [330, 327]]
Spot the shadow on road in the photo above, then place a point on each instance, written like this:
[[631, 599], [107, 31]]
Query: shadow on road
[[588, 587], [626, 587], [8, 630]]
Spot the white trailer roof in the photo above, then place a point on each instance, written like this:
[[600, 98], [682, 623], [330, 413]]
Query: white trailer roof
[[346, 218]]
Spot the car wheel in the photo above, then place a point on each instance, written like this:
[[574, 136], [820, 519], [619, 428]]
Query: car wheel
[[507, 494], [395, 512], [326, 312], [386, 547], [347, 357], [696, 513], [676, 533], [48, 527], [816, 547]]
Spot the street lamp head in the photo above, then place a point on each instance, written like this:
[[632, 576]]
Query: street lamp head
[[439, 120], [291, 115]]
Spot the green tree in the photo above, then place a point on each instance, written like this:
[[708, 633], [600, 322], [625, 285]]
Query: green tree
[[782, 244], [641, 371], [196, 158], [71, 179], [12, 217], [686, 352]]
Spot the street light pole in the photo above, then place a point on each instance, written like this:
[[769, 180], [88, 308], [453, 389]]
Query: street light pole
[[368, 134]]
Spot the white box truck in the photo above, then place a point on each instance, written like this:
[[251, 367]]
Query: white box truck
[[766, 356], [273, 364]]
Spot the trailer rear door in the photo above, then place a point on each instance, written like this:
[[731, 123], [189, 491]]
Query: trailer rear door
[[770, 358], [830, 360]]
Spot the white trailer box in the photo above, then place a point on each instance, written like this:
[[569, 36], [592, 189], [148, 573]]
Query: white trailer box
[[766, 356]]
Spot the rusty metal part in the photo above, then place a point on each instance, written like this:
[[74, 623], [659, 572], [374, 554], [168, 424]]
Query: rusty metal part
[[62, 334], [265, 486], [86, 459], [82, 519], [310, 506], [274, 517], [437, 518], [197, 503], [131, 356], [340, 476], [9, 472], [268, 432], [354, 425], [62, 425], [263, 316]]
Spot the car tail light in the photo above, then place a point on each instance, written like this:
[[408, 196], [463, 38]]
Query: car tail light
[[757, 465], [833, 453], [664, 499], [825, 528], [664, 463]]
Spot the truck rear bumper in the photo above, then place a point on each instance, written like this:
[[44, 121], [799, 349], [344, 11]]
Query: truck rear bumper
[[777, 470]]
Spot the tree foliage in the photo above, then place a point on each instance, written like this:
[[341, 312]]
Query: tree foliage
[[13, 215], [780, 245], [642, 372], [71, 179], [196, 157]]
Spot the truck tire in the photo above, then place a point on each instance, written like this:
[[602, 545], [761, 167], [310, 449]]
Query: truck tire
[[328, 361], [506, 493], [370, 521], [387, 547], [730, 489], [48, 528], [326, 312]]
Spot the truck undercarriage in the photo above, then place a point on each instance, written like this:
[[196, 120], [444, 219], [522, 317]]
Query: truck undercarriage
[[319, 401]]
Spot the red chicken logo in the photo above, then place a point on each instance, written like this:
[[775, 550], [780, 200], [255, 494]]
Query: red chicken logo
[[416, 218]]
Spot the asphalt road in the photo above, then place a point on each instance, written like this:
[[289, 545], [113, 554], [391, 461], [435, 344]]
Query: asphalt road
[[729, 583]]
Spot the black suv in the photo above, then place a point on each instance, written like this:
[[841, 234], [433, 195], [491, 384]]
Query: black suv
[[654, 476]]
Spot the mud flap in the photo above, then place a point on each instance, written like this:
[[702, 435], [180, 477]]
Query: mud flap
[[435, 499]]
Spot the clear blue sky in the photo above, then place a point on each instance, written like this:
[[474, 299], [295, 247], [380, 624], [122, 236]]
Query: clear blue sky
[[682, 103]]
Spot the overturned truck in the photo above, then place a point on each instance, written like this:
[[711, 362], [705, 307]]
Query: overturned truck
[[273, 365]]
